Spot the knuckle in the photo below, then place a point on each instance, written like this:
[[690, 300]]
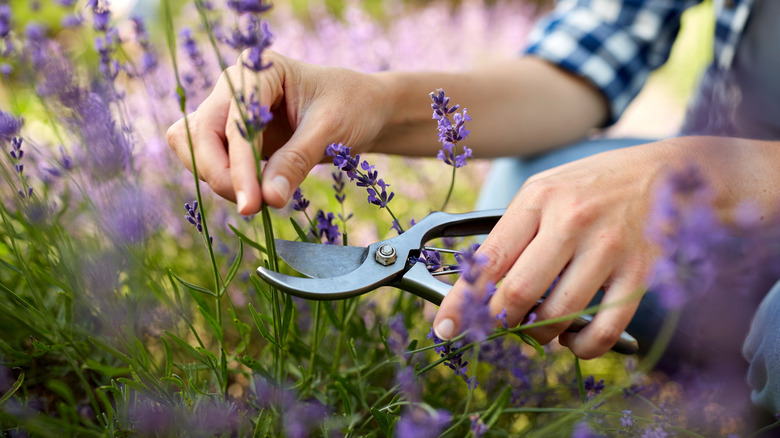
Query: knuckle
[[538, 191], [581, 213], [174, 135], [220, 182], [497, 260], [553, 309], [516, 291], [611, 241], [296, 161], [603, 337], [332, 119]]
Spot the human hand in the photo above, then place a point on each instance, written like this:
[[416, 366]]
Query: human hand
[[312, 106], [584, 221]]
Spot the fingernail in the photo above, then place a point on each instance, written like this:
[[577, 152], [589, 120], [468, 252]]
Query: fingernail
[[445, 330], [281, 185], [240, 201]]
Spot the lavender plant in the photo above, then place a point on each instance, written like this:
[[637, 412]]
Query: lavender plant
[[118, 318]]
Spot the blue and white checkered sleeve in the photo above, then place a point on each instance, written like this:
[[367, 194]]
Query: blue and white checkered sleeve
[[613, 43]]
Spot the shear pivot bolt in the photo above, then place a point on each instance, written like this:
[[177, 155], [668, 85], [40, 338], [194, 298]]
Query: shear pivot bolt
[[385, 255]]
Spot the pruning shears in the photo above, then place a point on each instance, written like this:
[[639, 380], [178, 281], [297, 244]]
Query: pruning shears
[[337, 272]]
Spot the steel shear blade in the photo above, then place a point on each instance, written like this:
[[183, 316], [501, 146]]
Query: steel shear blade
[[338, 272]]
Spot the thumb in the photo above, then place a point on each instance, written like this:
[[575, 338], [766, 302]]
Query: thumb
[[288, 167], [447, 323]]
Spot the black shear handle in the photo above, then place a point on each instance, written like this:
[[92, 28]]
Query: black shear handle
[[440, 224]]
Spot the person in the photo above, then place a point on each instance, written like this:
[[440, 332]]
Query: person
[[583, 219]]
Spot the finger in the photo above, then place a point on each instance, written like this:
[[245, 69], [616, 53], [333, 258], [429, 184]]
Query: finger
[[243, 170], [518, 226], [206, 131], [577, 286], [617, 308], [288, 167], [533, 273]]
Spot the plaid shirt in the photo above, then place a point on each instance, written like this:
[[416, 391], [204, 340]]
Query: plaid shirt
[[617, 43]]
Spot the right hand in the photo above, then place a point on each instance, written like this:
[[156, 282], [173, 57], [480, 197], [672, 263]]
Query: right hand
[[313, 106]]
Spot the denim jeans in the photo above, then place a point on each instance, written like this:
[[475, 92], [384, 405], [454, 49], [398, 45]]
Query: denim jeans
[[761, 347]]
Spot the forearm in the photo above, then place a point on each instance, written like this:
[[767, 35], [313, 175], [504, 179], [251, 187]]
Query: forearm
[[519, 107]]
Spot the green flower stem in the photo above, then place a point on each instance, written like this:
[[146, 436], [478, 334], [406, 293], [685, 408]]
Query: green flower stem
[[343, 225], [349, 306], [474, 364], [367, 417], [267, 226], [171, 39], [452, 182], [387, 207], [22, 263], [580, 382], [315, 341]]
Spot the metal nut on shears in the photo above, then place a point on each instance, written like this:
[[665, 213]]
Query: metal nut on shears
[[385, 255]]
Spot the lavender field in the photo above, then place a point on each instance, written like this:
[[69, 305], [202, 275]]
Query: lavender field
[[129, 304]]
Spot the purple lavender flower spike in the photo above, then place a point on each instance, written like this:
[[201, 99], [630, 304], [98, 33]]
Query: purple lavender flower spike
[[5, 21], [397, 227], [105, 47], [471, 264], [338, 186], [691, 237], [343, 159], [417, 422], [398, 338], [254, 58], [99, 128], [149, 60], [101, 14], [71, 21], [475, 316], [6, 69], [408, 384], [369, 177], [326, 228], [456, 363], [67, 3], [583, 430], [17, 154], [258, 116], [478, 428], [9, 126], [450, 131], [66, 161], [193, 216], [502, 317], [350, 165], [298, 417], [380, 199], [432, 260], [627, 420], [249, 6], [129, 214], [299, 202], [191, 47], [593, 387]]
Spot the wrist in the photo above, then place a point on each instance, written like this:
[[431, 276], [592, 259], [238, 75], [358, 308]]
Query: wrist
[[737, 170]]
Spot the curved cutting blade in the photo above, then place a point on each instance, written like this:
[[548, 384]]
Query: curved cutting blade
[[316, 260]]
